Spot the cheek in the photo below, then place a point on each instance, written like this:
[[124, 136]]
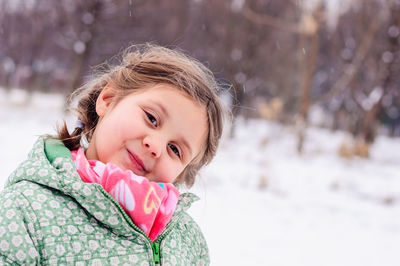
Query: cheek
[[119, 128], [108, 136], [103, 151], [167, 172], [129, 126]]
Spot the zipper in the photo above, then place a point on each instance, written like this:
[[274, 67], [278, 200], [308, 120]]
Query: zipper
[[154, 245], [156, 252], [157, 243]]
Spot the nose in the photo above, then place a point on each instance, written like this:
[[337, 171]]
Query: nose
[[152, 146]]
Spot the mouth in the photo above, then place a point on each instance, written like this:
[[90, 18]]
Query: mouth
[[137, 163]]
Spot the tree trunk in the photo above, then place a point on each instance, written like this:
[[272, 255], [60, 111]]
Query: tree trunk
[[81, 60], [309, 46]]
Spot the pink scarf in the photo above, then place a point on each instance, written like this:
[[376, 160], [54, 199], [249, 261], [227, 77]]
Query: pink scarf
[[150, 205]]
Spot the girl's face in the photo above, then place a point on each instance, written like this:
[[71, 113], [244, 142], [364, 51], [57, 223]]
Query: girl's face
[[155, 132]]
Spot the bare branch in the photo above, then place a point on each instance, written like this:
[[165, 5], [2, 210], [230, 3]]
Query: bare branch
[[263, 19], [354, 66]]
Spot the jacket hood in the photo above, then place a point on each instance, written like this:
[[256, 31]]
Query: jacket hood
[[50, 164]]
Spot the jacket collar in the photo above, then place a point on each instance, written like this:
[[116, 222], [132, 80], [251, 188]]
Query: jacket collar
[[50, 164]]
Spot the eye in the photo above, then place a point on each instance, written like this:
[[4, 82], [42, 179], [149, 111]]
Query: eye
[[174, 150], [152, 119]]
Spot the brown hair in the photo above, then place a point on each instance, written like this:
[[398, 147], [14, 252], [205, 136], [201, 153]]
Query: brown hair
[[141, 67]]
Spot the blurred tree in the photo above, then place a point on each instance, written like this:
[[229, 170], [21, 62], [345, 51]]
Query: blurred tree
[[299, 53]]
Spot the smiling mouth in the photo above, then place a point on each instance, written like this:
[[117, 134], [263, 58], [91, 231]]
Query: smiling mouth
[[137, 163]]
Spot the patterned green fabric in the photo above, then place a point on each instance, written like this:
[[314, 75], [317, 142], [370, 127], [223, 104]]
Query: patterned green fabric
[[49, 216]]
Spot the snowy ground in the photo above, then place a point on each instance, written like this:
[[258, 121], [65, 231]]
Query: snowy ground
[[316, 209]]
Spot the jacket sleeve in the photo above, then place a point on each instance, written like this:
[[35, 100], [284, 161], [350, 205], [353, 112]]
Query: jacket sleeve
[[16, 243]]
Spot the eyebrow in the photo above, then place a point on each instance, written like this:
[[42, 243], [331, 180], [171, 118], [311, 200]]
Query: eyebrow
[[182, 139]]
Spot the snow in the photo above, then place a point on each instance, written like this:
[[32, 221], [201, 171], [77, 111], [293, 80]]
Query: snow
[[318, 209], [262, 203]]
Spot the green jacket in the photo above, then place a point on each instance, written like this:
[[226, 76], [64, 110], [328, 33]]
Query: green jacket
[[48, 215]]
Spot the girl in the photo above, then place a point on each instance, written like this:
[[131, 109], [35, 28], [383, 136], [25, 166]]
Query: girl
[[104, 194]]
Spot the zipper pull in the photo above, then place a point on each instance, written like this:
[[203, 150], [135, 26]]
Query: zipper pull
[[156, 252]]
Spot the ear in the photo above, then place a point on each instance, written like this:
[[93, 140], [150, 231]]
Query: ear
[[104, 100]]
